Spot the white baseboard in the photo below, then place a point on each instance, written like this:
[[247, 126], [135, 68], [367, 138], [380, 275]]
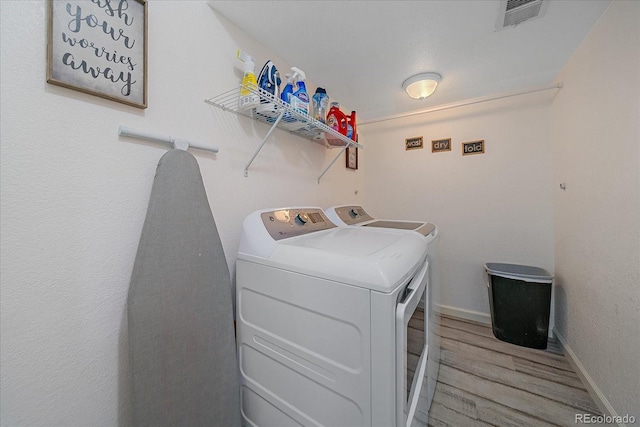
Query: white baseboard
[[598, 397], [475, 316]]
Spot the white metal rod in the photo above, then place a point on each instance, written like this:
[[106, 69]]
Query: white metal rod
[[264, 140], [467, 102], [181, 144], [342, 150]]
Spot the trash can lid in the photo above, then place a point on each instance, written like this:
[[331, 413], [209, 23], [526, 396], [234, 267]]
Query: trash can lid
[[518, 272]]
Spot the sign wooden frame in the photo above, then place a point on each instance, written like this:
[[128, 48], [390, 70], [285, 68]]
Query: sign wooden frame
[[414, 143], [352, 157], [473, 147], [99, 48], [441, 145]]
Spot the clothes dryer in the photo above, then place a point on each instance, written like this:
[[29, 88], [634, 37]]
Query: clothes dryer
[[357, 216], [322, 321]]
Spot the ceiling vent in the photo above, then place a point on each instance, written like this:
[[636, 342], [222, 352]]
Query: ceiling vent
[[513, 12]]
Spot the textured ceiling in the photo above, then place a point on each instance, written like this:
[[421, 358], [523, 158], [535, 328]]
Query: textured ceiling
[[362, 51]]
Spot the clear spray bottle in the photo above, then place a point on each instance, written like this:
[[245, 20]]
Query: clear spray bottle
[[249, 97]]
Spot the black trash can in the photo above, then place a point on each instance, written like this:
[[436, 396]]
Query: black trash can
[[520, 301]]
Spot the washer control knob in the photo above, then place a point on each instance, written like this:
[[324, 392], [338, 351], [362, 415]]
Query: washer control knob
[[301, 219], [353, 213]]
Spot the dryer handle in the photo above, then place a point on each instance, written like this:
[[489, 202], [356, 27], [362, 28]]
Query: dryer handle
[[404, 310], [411, 295]]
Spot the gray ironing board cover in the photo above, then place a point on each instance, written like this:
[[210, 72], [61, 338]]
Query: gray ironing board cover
[[182, 356]]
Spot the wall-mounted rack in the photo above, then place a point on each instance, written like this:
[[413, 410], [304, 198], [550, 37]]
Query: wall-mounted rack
[[177, 143], [279, 114]]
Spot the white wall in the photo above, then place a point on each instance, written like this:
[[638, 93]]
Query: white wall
[[74, 196], [491, 207], [596, 152]]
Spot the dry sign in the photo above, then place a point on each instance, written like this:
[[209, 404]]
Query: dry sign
[[473, 147], [439, 145]]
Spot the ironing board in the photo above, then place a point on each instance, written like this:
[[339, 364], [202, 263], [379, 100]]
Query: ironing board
[[182, 355]]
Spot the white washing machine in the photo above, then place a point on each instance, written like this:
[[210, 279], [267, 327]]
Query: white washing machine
[[356, 216], [322, 321]]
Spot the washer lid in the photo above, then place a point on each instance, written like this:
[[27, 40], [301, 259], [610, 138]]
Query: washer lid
[[356, 215], [377, 259]]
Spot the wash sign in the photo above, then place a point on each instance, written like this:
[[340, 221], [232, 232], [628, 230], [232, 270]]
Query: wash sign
[[413, 143]]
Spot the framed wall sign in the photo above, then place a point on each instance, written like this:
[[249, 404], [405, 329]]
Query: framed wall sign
[[413, 143], [352, 157], [473, 147], [99, 48], [439, 145]]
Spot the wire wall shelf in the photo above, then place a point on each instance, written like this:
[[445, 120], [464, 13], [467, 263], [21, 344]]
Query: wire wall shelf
[[276, 113]]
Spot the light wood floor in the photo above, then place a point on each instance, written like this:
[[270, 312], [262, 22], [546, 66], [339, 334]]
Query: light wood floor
[[483, 381]]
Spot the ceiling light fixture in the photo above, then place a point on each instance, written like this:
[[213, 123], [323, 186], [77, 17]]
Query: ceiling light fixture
[[422, 85]]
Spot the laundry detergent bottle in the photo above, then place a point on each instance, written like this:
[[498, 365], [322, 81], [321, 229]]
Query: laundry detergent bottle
[[299, 99], [249, 97], [336, 119]]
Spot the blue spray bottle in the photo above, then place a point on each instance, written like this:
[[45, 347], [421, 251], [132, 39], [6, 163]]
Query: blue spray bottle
[[288, 89], [299, 99], [287, 93]]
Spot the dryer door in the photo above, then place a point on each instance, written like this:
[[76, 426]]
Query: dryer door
[[407, 398]]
